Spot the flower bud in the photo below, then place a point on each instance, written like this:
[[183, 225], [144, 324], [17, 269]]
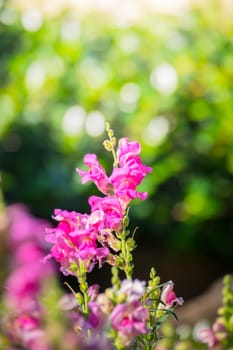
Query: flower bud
[[107, 145]]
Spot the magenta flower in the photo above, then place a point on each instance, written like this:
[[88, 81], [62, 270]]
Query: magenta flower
[[168, 296], [127, 149], [95, 173], [129, 320], [73, 239], [125, 185], [124, 179], [107, 212], [130, 174], [128, 156]]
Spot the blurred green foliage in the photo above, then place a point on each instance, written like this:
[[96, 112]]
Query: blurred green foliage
[[166, 81]]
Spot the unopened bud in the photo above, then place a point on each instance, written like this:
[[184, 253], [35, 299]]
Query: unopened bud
[[125, 221], [79, 298], [113, 141], [107, 145], [110, 133], [107, 126]]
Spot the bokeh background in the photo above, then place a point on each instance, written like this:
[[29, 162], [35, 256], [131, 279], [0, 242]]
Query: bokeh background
[[160, 72]]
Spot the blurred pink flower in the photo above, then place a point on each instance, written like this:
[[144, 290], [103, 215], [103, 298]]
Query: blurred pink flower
[[93, 291], [28, 253], [24, 226], [26, 331], [96, 318], [129, 320], [26, 279], [208, 337], [23, 286]]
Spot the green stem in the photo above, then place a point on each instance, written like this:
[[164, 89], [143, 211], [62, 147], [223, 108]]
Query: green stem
[[115, 277], [82, 279], [127, 256], [115, 163]]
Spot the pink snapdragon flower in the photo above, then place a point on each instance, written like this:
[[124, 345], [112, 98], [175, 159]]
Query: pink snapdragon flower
[[129, 320], [107, 212], [127, 149], [125, 185], [73, 239], [168, 296], [124, 179], [130, 317], [130, 173], [128, 155], [95, 173]]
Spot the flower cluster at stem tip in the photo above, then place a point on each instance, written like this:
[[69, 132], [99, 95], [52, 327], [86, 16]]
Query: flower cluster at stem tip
[[130, 311], [82, 240]]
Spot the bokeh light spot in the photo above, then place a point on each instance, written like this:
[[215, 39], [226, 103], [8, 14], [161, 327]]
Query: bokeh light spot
[[73, 120], [35, 76], [156, 131], [95, 123], [164, 78], [32, 20], [70, 30]]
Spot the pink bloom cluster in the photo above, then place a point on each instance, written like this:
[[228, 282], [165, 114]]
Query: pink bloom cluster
[[122, 317], [124, 179], [26, 330], [120, 310], [129, 318], [25, 281], [75, 238], [87, 237]]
